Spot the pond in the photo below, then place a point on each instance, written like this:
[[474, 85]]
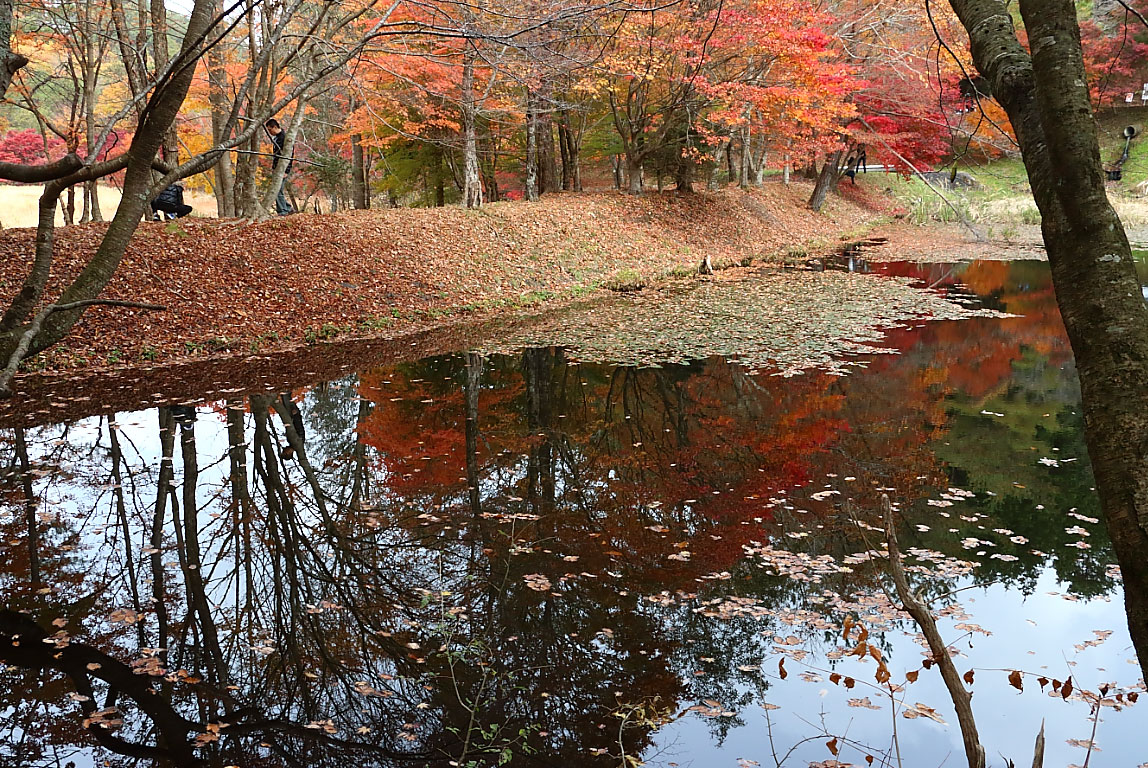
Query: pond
[[610, 537]]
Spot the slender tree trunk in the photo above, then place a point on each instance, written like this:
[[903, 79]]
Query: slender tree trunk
[[1092, 267], [224, 178], [531, 149], [472, 179], [161, 54], [548, 178], [29, 295]]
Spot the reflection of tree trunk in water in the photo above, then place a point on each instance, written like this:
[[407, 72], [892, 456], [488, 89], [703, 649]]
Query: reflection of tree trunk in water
[[359, 487], [674, 401], [241, 513], [163, 488], [30, 507], [293, 432], [22, 643], [473, 384], [196, 593], [280, 532], [536, 369], [122, 516]]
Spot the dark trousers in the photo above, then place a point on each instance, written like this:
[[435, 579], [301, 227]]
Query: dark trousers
[[176, 211]]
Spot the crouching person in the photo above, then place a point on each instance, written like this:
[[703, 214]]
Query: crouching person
[[169, 203]]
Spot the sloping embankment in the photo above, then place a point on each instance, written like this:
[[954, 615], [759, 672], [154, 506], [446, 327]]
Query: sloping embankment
[[234, 286]]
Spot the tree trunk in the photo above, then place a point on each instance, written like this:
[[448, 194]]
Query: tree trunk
[[224, 186], [634, 175], [1092, 267], [162, 109], [472, 179], [10, 63], [170, 148], [826, 180], [571, 149], [360, 192], [548, 179], [531, 149]]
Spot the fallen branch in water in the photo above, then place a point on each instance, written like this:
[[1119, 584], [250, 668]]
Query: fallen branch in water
[[962, 699], [37, 323]]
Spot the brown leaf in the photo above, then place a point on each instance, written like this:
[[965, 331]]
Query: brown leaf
[[912, 676], [968, 677], [1043, 682], [1014, 680], [781, 669], [1066, 689], [849, 682], [835, 678], [832, 745]]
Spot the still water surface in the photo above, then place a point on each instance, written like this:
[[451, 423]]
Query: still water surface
[[521, 559]]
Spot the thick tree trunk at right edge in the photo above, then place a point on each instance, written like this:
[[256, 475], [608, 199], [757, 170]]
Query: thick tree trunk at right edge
[[1092, 267]]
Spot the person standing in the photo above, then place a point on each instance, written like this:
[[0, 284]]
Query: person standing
[[278, 138]]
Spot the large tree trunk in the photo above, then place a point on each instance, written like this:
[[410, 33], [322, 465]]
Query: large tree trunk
[[1092, 267], [826, 180], [548, 178], [10, 63], [360, 192], [634, 175]]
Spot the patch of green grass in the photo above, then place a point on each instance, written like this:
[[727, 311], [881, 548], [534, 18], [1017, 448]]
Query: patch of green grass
[[376, 323], [626, 280], [149, 353]]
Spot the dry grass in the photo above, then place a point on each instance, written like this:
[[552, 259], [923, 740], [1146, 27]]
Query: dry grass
[[18, 204]]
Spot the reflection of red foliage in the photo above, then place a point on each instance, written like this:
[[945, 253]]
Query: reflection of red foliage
[[704, 450]]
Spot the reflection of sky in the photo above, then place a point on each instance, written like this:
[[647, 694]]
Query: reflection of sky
[[1007, 720]]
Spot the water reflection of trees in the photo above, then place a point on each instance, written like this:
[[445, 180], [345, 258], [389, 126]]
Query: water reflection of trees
[[343, 575]]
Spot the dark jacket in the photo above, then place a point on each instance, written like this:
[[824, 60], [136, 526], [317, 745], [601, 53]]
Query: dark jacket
[[277, 142], [170, 197]]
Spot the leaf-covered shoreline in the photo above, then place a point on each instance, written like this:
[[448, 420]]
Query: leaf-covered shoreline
[[239, 287]]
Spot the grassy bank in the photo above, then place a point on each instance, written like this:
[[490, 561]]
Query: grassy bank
[[241, 288], [1000, 202]]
